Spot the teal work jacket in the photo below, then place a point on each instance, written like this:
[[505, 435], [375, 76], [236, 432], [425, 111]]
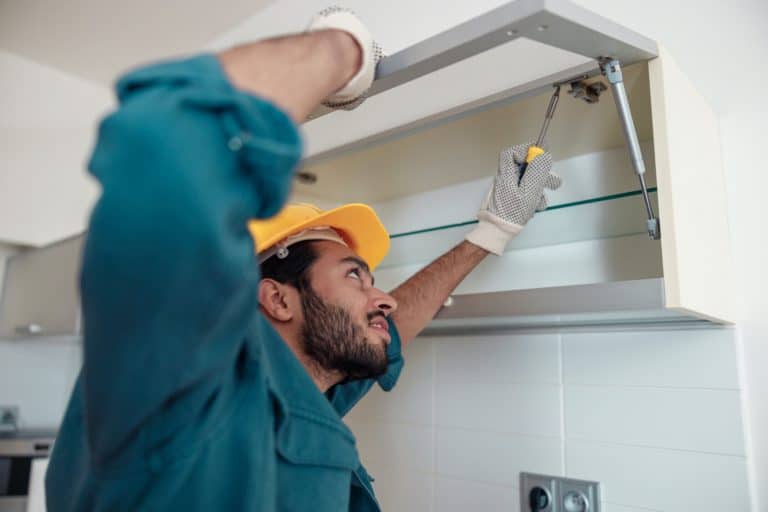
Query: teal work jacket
[[187, 398]]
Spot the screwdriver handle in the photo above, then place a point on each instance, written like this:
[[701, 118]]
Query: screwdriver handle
[[533, 152]]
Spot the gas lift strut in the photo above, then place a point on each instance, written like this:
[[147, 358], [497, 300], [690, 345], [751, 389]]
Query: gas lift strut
[[611, 69], [590, 93]]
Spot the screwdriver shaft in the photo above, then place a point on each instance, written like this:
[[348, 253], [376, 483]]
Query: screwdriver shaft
[[548, 117]]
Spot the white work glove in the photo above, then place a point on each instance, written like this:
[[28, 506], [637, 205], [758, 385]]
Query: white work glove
[[509, 204], [353, 93]]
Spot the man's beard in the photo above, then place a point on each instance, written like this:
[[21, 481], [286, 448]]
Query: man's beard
[[336, 343]]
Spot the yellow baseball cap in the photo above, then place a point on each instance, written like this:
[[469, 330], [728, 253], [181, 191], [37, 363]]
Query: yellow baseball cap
[[357, 224]]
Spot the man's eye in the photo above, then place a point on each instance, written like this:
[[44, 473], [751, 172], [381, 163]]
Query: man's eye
[[354, 272]]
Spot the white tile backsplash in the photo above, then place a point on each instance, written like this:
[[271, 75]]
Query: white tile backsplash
[[615, 507], [704, 358], [496, 458], [521, 409], [405, 446], [653, 414], [667, 480], [687, 419], [454, 495], [405, 491], [411, 400], [500, 384], [37, 375], [500, 360]]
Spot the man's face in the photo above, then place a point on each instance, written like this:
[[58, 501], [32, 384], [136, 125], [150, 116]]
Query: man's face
[[345, 327]]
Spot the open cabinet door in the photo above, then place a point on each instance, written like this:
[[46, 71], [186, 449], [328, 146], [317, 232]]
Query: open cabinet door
[[692, 198], [519, 48]]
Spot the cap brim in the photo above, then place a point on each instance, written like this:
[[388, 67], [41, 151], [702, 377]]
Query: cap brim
[[358, 225]]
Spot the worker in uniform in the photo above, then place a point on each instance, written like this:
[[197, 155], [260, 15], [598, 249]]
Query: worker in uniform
[[217, 370]]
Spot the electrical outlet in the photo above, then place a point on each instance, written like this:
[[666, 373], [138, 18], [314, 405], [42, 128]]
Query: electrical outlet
[[578, 495], [9, 418], [546, 493], [537, 493]]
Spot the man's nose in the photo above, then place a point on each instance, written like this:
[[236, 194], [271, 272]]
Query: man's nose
[[384, 302]]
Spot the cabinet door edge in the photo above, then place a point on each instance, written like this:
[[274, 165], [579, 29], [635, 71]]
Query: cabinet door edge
[[696, 248]]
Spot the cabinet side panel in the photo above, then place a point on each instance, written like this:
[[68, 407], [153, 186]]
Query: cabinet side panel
[[692, 199]]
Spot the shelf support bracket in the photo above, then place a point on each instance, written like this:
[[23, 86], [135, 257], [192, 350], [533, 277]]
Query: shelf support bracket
[[611, 69]]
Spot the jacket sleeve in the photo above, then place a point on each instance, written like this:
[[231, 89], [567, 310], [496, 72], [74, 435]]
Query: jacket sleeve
[[169, 276]]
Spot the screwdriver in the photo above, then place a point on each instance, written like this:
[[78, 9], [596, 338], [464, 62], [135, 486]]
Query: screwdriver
[[536, 149]]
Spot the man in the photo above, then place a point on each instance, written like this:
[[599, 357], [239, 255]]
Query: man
[[207, 384]]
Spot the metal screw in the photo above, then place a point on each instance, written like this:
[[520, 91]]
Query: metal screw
[[307, 178]]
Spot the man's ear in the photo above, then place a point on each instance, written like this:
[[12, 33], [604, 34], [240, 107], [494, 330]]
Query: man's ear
[[274, 300]]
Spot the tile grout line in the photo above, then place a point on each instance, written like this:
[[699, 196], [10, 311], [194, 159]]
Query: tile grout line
[[433, 363], [746, 423], [563, 433], [643, 509], [457, 427], [489, 483], [649, 386], [601, 442]]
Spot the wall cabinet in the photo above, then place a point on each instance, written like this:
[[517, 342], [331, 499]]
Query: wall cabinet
[[40, 292], [423, 151]]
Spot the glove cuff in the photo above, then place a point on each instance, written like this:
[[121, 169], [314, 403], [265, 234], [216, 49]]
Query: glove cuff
[[341, 19], [493, 233]]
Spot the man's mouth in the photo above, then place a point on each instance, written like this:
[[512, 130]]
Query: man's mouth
[[380, 325]]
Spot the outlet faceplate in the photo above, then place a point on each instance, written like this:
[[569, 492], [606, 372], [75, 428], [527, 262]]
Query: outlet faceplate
[[9, 418], [568, 494]]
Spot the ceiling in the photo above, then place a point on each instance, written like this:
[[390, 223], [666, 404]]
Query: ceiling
[[97, 39]]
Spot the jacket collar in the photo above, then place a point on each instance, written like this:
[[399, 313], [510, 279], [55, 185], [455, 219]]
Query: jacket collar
[[288, 379]]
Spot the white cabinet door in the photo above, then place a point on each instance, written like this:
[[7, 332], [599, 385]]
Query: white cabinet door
[[518, 48], [692, 197]]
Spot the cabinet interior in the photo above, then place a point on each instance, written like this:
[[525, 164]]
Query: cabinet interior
[[427, 183]]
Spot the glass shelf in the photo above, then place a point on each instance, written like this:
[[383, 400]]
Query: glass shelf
[[596, 218], [550, 208]]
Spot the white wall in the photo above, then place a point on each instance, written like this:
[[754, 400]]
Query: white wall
[[37, 375], [654, 415], [46, 134], [721, 46]]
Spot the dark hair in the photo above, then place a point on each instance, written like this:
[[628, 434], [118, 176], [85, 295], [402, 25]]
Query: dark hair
[[294, 269]]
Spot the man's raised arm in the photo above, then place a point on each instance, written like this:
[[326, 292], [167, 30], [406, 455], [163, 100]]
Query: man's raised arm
[[510, 204], [196, 148]]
